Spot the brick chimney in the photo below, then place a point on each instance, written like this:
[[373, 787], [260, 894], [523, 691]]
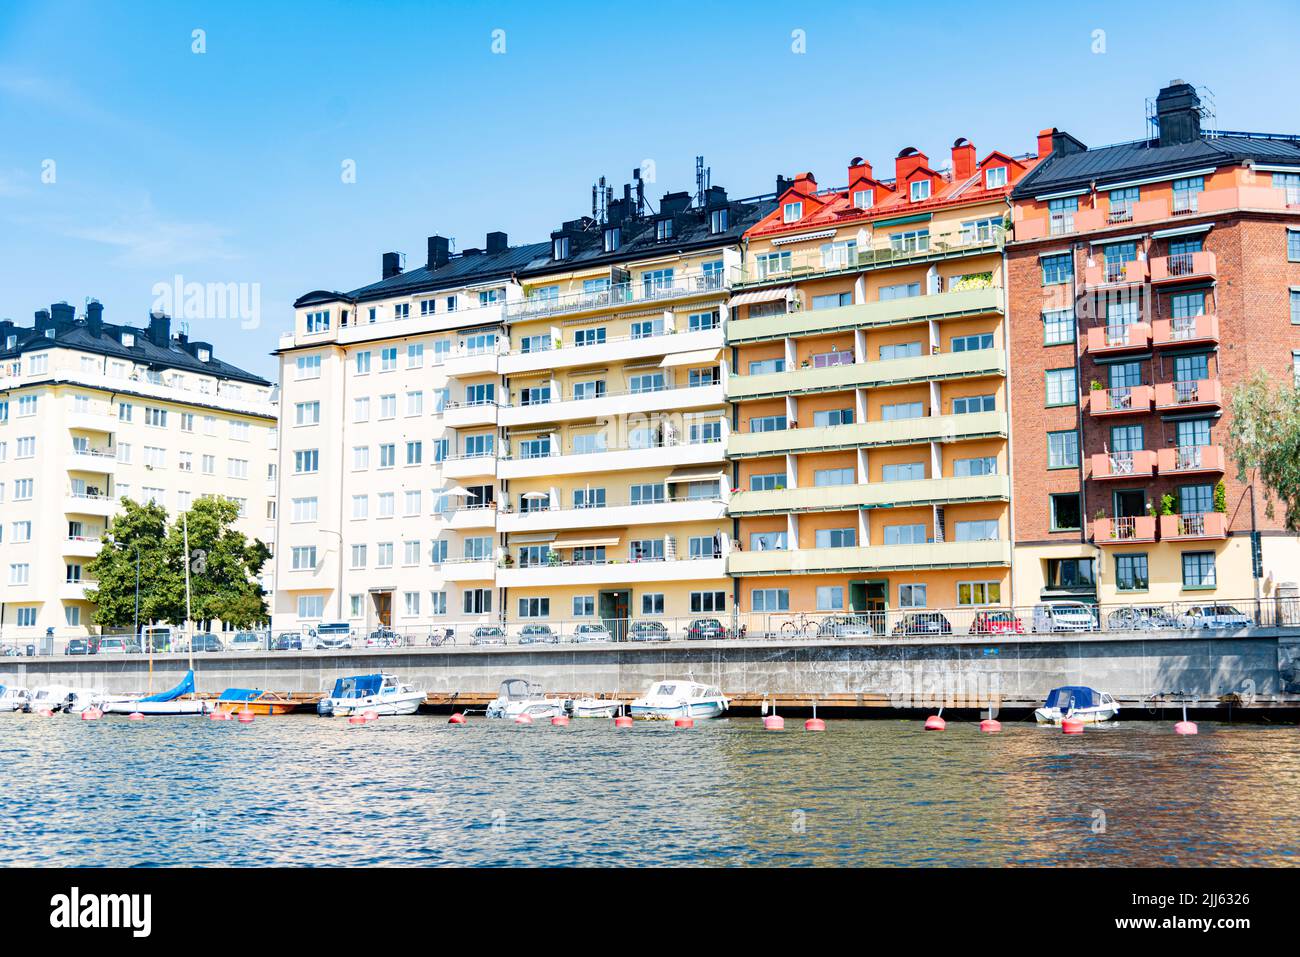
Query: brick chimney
[[908, 161], [963, 159], [1045, 141], [160, 329], [805, 184], [497, 243], [391, 265], [439, 252]]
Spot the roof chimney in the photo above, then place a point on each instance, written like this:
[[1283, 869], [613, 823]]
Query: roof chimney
[[439, 252], [160, 329], [1045, 138], [908, 161], [673, 203], [42, 320], [782, 184], [805, 183], [392, 265], [963, 159], [497, 242], [1178, 111], [858, 168], [63, 316], [95, 317]]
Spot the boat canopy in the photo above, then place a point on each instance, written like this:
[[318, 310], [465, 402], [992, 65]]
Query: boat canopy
[[518, 689], [358, 686], [1072, 696], [240, 694], [185, 687]]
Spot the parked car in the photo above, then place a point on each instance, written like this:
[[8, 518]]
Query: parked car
[[1064, 616], [705, 628], [203, 642], [488, 635], [329, 635], [923, 623], [247, 641], [1141, 618], [845, 626], [79, 646], [118, 646], [159, 637], [383, 637], [591, 631], [1214, 616], [643, 629], [538, 634], [997, 623], [287, 641]]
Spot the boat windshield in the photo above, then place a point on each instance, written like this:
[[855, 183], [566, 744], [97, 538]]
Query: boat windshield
[[514, 689], [667, 690], [1071, 697]]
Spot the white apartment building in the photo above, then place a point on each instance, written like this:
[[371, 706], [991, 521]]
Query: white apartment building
[[91, 413]]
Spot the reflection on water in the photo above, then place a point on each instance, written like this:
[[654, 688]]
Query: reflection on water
[[415, 791]]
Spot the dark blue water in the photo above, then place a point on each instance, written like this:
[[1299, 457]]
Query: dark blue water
[[414, 791]]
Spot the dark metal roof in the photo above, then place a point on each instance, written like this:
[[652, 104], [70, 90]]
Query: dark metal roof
[[1146, 158], [457, 271]]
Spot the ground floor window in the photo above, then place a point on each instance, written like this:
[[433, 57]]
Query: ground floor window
[[1067, 513], [979, 593], [652, 603], [830, 598], [309, 606], [72, 614], [1131, 572], [911, 596], [715, 601], [1198, 570], [437, 603], [770, 599], [584, 606], [411, 599], [354, 606], [478, 601], [534, 608], [27, 616]]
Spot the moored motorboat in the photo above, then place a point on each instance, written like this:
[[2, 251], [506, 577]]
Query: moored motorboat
[[1076, 701], [240, 700], [12, 698], [595, 707], [381, 694], [65, 698], [170, 702], [519, 696], [680, 698]]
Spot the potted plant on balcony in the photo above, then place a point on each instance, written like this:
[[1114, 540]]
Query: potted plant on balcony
[[1166, 504], [1097, 386], [1220, 497], [552, 558], [507, 560]]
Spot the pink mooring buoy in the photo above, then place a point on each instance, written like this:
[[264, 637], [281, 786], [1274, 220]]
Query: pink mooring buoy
[[91, 714], [774, 722], [456, 718], [245, 717], [623, 721], [560, 720], [524, 719], [135, 716], [371, 716], [1072, 726], [935, 723], [990, 726], [356, 719], [684, 723]]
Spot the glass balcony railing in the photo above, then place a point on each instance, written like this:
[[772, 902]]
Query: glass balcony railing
[[645, 290]]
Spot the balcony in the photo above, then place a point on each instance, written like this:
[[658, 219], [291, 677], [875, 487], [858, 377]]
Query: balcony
[[1181, 267], [463, 363], [613, 460], [876, 558], [101, 461], [1191, 460], [1109, 274], [878, 372], [614, 351], [462, 415], [799, 265], [610, 404], [92, 422], [618, 296], [81, 547], [1200, 526], [467, 570], [1186, 331], [469, 466], [1125, 400], [76, 590], [104, 506], [1190, 394], [695, 570], [1118, 337], [912, 310], [1140, 463], [673, 512], [1124, 531], [835, 498], [930, 428], [470, 516]]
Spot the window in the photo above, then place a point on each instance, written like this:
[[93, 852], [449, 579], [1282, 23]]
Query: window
[[766, 366], [307, 367], [358, 556], [388, 359], [646, 550], [1062, 387], [718, 221], [983, 465], [437, 603], [836, 538], [1057, 269], [1187, 193], [771, 264], [901, 350], [698, 321], [414, 403], [1131, 572], [414, 453], [1195, 499], [360, 458], [768, 541], [902, 290], [534, 608], [1066, 512], [647, 328], [983, 530], [706, 432], [589, 337], [124, 410], [979, 593], [1290, 183], [305, 509], [828, 417], [904, 472], [20, 573], [767, 423], [830, 597], [1122, 202], [995, 177], [306, 460], [901, 410], [983, 340], [648, 494], [318, 321], [656, 281], [415, 356], [1295, 307], [1069, 573], [26, 617], [1058, 327], [1198, 570], [767, 483], [914, 534], [769, 599], [911, 596], [411, 552], [825, 477], [1062, 450], [304, 557], [307, 413], [155, 417], [708, 601], [477, 601], [832, 300], [363, 363], [387, 455], [384, 555], [791, 212], [973, 403], [664, 229], [920, 190]]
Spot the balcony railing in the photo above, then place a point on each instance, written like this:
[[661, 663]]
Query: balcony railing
[[1200, 525], [1120, 400], [1183, 266], [1183, 330], [1189, 393], [619, 294], [1123, 464], [1115, 272], [1128, 528], [1116, 336], [1191, 458]]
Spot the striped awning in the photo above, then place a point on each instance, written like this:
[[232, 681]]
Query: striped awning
[[697, 357], [589, 538], [762, 295], [699, 473]]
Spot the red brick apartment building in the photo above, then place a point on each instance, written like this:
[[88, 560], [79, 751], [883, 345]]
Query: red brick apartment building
[[1145, 280]]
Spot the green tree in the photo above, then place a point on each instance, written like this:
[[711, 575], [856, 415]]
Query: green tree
[[138, 530], [1265, 439], [224, 566]]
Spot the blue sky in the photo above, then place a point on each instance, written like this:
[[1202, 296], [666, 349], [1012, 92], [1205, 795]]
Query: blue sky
[[225, 166]]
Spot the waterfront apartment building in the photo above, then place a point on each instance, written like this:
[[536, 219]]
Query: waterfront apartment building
[[1145, 281], [92, 412], [530, 434], [870, 407]]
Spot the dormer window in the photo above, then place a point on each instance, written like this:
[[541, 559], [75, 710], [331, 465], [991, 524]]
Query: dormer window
[[863, 199], [560, 248], [995, 177], [613, 236], [664, 229], [920, 190], [128, 339], [718, 221], [49, 333], [205, 355], [11, 342], [792, 212]]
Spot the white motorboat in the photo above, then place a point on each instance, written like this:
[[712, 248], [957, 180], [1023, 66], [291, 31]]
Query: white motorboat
[[595, 708], [518, 696], [62, 698], [168, 702], [381, 693], [1076, 701], [680, 698], [13, 698]]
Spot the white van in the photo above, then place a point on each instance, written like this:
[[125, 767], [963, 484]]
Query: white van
[[1055, 616]]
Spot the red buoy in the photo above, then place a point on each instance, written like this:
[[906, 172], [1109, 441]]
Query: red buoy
[[814, 724], [45, 713], [91, 714], [135, 716], [684, 723], [245, 717], [623, 721], [524, 719], [456, 718], [356, 719], [1185, 727], [774, 722], [990, 726], [560, 720], [218, 715], [935, 723], [1072, 726], [371, 715]]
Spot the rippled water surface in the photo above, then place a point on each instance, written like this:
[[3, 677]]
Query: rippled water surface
[[415, 791]]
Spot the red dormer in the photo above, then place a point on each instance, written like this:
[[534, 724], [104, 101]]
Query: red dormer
[[864, 191], [913, 176], [797, 202], [998, 170]]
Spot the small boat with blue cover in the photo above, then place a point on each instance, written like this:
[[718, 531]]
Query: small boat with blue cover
[[171, 702], [1076, 701], [381, 693]]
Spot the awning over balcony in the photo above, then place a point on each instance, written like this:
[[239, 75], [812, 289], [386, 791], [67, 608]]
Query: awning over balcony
[[762, 295], [696, 473], [532, 538], [589, 538], [699, 357]]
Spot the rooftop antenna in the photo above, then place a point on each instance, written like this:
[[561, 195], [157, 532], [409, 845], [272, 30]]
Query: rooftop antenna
[[600, 194], [640, 191], [702, 177]]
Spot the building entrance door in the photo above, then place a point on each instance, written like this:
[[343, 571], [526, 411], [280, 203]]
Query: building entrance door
[[383, 601], [615, 609]]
